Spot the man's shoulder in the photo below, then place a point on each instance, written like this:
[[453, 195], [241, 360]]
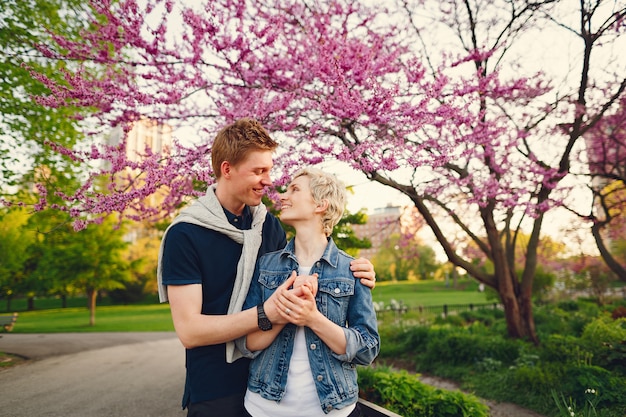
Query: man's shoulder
[[272, 222], [184, 227], [269, 216], [191, 231]]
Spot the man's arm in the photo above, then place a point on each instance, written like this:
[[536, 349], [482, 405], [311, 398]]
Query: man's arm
[[195, 329], [362, 268]]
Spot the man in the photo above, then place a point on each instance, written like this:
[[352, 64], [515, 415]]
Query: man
[[206, 262]]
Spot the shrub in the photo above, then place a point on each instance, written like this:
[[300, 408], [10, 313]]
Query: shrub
[[526, 383], [405, 394], [577, 379], [564, 349], [551, 319], [605, 338], [568, 305], [619, 312], [486, 316], [399, 343], [465, 347]]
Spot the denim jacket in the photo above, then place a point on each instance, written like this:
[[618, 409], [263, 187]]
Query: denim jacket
[[342, 299]]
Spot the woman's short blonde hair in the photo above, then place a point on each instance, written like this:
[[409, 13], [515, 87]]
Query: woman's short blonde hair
[[326, 187]]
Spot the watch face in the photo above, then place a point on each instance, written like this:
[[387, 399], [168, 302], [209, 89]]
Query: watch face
[[265, 324]]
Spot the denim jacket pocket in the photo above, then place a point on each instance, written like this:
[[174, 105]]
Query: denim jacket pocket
[[335, 297], [271, 279]]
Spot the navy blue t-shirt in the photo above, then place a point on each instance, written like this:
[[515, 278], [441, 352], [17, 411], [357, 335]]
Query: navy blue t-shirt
[[195, 255]]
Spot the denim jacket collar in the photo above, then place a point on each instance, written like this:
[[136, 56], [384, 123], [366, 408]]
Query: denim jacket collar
[[331, 253]]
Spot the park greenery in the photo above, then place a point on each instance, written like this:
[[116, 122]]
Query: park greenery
[[582, 348], [487, 129]]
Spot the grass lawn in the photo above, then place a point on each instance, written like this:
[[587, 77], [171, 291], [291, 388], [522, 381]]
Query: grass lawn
[[429, 293], [128, 318], [152, 316]]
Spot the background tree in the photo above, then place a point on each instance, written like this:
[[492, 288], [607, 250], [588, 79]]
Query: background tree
[[344, 236], [14, 242], [445, 101], [403, 257], [606, 153], [141, 256], [88, 261], [28, 128]]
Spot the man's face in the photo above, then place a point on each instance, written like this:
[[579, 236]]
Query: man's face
[[249, 178]]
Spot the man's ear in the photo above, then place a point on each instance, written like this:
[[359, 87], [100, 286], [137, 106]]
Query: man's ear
[[225, 168]]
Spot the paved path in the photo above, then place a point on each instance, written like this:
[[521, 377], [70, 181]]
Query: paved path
[[111, 375], [93, 375]]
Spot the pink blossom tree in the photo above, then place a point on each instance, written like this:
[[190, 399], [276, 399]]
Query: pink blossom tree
[[606, 155], [437, 99]]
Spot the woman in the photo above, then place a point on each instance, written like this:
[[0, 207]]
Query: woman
[[308, 366]]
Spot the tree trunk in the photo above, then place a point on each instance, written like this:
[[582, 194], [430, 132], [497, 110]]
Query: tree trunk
[[606, 255], [31, 304], [515, 298], [91, 305], [518, 312]]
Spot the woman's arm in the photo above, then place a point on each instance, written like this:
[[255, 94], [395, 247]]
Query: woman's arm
[[363, 339]]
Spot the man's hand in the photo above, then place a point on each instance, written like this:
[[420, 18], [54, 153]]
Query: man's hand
[[362, 268], [271, 305]]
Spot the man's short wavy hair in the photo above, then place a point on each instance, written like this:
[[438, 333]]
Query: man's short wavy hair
[[326, 187], [235, 142]]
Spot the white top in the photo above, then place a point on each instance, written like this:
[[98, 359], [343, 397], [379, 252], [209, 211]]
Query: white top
[[300, 397]]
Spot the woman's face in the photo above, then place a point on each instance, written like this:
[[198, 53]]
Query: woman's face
[[297, 202]]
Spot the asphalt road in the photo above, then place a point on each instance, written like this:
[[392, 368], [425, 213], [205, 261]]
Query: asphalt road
[[93, 375]]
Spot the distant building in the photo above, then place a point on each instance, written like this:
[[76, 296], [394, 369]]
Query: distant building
[[145, 134], [383, 223]]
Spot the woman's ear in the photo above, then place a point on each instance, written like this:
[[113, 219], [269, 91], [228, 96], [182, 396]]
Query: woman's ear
[[322, 206]]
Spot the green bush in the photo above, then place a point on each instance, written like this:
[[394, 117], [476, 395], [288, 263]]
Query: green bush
[[402, 343], [552, 319], [605, 338], [564, 349], [581, 349], [486, 316], [405, 394], [568, 305], [577, 379], [466, 347]]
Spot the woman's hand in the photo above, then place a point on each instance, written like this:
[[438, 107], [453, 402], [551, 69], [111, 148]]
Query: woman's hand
[[306, 280], [298, 306]]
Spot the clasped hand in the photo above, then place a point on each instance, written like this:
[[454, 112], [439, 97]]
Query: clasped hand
[[295, 299]]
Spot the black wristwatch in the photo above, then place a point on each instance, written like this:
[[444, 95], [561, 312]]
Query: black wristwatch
[[264, 323]]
